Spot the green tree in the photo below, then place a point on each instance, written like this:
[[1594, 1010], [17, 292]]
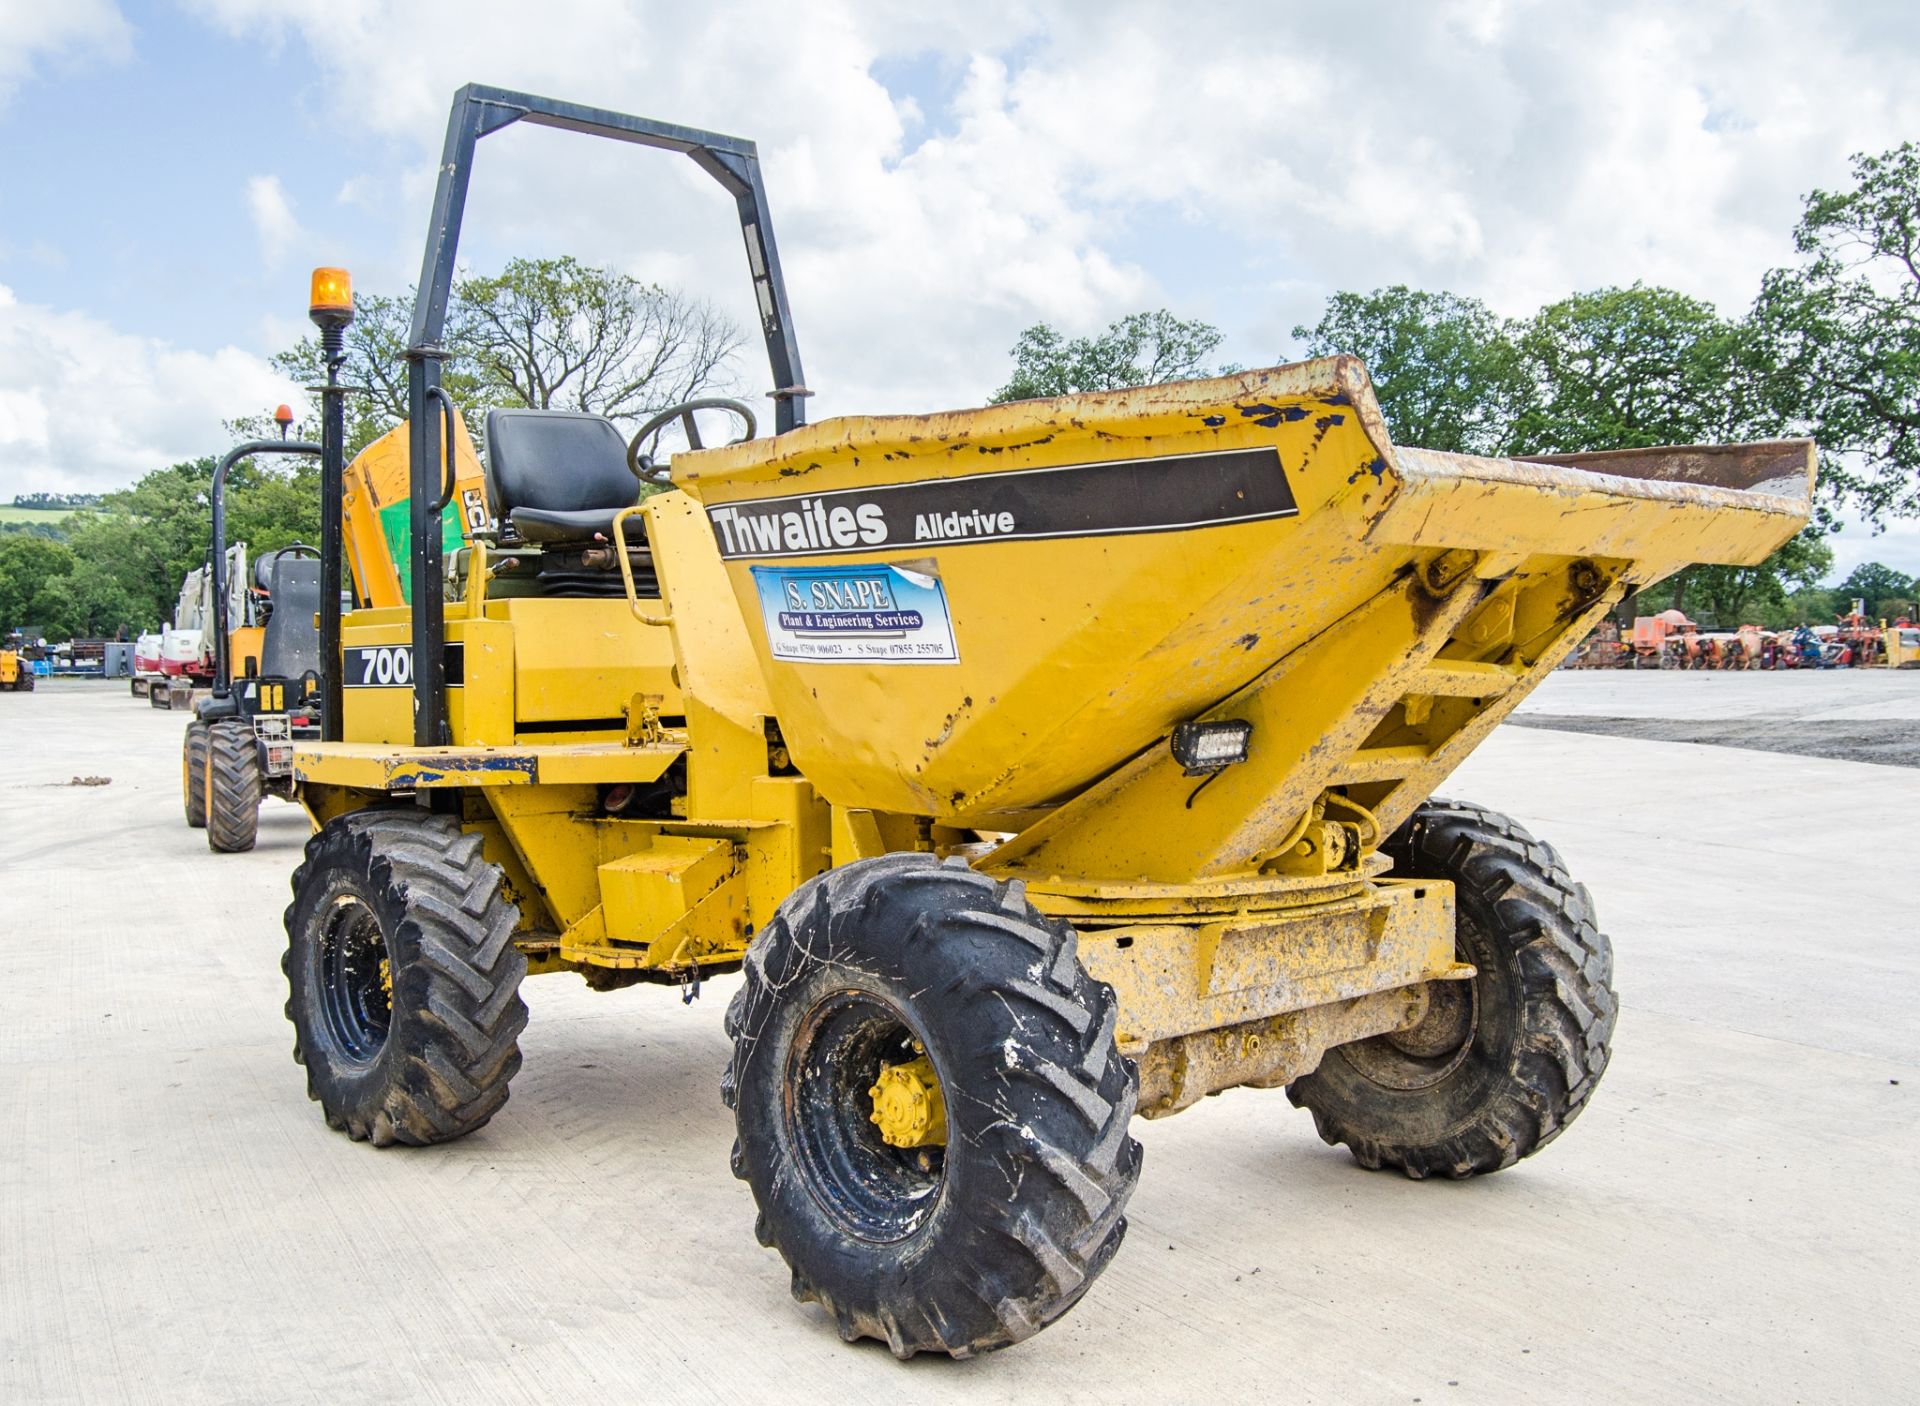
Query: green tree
[[1872, 582], [1728, 596], [29, 565], [1629, 368], [89, 602], [1839, 334], [1447, 371], [129, 555], [558, 334], [376, 345], [48, 531], [1140, 349], [549, 333], [1812, 605], [142, 541]]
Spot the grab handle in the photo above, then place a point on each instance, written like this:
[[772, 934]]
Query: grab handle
[[626, 568]]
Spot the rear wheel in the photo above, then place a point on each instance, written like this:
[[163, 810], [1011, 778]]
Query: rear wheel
[[193, 774], [232, 787], [403, 981], [1504, 1061], [932, 1112]]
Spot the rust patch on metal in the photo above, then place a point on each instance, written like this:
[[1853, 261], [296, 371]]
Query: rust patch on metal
[[946, 728]]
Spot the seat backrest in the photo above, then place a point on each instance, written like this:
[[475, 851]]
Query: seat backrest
[[265, 564], [557, 461], [291, 645]]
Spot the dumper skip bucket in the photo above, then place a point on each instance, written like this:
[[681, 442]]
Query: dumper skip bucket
[[974, 615]]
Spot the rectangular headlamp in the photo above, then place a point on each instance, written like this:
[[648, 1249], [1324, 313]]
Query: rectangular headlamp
[[1205, 748]]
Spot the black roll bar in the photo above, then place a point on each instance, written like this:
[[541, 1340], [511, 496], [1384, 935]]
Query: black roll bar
[[479, 111], [222, 651]]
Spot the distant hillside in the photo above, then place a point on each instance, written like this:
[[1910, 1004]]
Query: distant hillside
[[37, 517], [55, 502]]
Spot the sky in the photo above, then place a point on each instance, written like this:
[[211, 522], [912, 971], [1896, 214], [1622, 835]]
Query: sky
[[940, 176]]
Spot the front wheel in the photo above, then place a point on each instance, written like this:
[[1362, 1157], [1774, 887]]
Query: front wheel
[[931, 1108], [232, 787], [1502, 1062], [403, 983], [193, 774]]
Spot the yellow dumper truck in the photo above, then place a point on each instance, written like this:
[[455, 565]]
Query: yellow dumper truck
[[1040, 766], [16, 664]]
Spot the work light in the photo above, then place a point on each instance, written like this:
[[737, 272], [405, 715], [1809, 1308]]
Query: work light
[[1205, 748]]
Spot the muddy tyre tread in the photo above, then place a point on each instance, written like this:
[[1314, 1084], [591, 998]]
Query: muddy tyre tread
[[457, 1015], [232, 787], [1030, 1018], [193, 748], [1544, 924]]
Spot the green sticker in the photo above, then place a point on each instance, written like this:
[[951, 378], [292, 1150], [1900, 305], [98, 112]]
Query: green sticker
[[396, 521]]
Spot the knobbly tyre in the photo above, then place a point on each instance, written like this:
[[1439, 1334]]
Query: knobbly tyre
[[1039, 765]]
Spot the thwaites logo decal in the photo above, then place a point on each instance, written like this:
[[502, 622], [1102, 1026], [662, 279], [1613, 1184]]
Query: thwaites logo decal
[[391, 666], [1079, 500], [855, 615]]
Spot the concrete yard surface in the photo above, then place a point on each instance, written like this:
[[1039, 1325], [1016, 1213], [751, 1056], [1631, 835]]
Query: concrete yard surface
[[1849, 715], [1733, 1218]]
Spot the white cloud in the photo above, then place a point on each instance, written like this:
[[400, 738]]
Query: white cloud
[[1856, 543], [1515, 149], [273, 219], [910, 268], [1076, 155], [84, 407], [32, 31]]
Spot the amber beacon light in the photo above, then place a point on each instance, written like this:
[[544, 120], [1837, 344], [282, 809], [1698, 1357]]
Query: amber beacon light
[[331, 301]]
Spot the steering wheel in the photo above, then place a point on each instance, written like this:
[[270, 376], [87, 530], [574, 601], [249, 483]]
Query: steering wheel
[[643, 466]]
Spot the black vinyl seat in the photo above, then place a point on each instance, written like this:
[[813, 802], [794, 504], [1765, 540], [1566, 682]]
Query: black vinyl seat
[[558, 475], [291, 646]]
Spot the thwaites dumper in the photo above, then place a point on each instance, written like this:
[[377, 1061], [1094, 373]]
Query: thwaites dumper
[[266, 676], [1041, 765]]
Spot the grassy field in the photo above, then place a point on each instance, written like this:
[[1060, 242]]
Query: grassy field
[[50, 516]]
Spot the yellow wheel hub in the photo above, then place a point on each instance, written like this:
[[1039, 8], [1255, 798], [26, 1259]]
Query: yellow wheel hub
[[908, 1106]]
